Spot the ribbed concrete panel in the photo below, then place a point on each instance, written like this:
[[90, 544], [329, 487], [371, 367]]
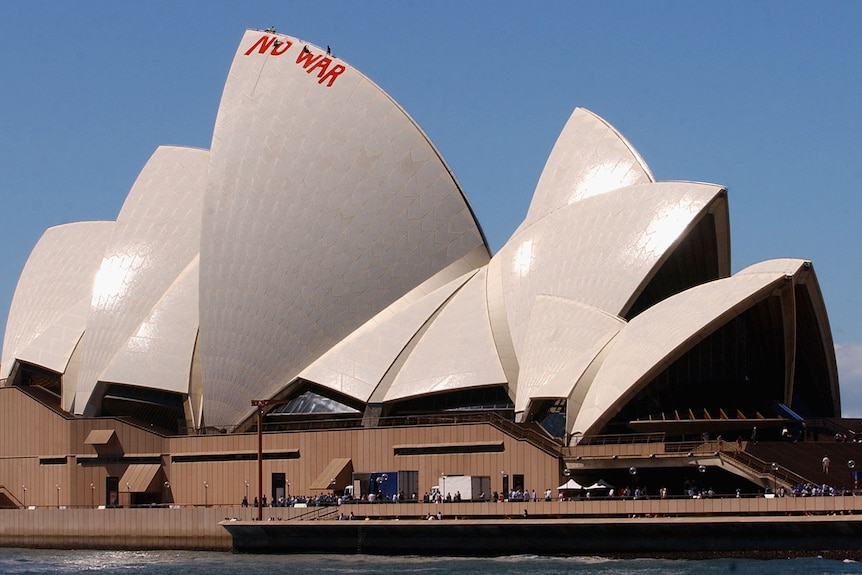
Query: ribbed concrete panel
[[159, 354], [357, 364], [58, 275], [325, 204], [598, 251], [651, 340], [156, 236], [563, 337], [589, 158], [456, 352], [54, 346], [809, 280], [498, 317]]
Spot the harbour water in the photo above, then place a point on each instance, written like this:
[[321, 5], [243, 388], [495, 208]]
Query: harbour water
[[39, 562]]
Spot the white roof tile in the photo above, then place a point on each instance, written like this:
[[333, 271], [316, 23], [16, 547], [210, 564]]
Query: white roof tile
[[325, 155]]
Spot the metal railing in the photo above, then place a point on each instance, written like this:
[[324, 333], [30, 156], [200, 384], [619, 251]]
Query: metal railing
[[517, 431], [765, 469], [623, 439], [831, 426]]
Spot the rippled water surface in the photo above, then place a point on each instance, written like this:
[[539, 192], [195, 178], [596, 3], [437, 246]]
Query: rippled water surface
[[20, 561]]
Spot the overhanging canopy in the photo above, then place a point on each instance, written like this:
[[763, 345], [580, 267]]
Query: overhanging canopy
[[600, 484], [570, 484], [138, 478], [339, 470], [99, 437]]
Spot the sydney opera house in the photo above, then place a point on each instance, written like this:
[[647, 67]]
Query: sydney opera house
[[318, 281]]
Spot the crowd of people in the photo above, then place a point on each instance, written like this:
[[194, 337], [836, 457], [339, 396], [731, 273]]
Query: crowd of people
[[812, 490], [322, 500], [690, 490], [521, 495]]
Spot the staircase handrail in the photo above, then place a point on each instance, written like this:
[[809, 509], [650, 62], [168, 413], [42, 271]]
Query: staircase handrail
[[764, 468], [315, 512], [11, 495], [832, 426]]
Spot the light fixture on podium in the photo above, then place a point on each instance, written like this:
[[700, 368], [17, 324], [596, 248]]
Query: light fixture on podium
[[774, 468]]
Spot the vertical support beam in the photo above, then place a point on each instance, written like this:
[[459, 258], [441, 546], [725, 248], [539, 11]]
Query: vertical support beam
[[259, 404], [788, 316], [260, 463]]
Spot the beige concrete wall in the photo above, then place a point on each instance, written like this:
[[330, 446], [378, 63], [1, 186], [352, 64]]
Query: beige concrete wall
[[794, 506], [160, 528], [370, 451], [198, 528], [31, 431]]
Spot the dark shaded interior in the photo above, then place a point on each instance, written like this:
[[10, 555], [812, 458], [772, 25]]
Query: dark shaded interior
[[693, 262], [738, 368]]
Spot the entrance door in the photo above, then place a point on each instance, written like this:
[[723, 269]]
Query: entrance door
[[278, 483], [112, 492], [518, 482]]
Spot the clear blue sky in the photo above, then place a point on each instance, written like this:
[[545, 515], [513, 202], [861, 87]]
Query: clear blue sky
[[762, 97]]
